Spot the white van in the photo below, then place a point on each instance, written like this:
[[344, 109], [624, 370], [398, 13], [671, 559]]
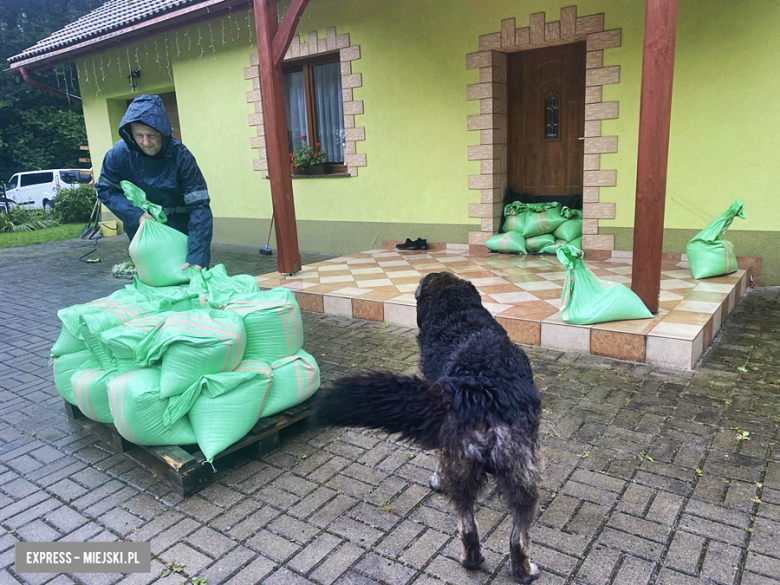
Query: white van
[[37, 189]]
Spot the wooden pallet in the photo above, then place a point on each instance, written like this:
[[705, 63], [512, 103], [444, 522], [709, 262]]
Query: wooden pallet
[[185, 467]]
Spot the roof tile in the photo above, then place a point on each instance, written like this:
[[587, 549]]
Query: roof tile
[[113, 15]]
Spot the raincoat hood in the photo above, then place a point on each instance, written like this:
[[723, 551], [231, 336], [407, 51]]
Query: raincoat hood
[[149, 110]]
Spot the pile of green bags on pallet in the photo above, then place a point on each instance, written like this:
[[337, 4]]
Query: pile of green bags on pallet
[[538, 228], [195, 362]]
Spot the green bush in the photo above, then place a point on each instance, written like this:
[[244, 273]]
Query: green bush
[[75, 205], [26, 220]]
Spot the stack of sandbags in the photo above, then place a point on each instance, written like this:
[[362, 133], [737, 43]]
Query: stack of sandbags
[[189, 362], [204, 375], [79, 346], [538, 228]]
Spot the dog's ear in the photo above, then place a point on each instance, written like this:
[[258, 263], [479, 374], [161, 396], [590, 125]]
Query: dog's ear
[[422, 311], [473, 291]]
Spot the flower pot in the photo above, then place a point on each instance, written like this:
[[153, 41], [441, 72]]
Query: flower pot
[[318, 169]]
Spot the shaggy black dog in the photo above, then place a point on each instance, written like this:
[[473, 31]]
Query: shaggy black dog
[[476, 403]]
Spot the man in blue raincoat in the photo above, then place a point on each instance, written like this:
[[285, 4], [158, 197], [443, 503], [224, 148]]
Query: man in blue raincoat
[[165, 170]]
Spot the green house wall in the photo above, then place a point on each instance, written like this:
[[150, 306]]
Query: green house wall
[[724, 142]]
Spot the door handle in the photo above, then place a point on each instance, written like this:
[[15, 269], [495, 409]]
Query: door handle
[[581, 138]]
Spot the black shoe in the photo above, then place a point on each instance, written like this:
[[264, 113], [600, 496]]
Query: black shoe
[[420, 244], [407, 245]]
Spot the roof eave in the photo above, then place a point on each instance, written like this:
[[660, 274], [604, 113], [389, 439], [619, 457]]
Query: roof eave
[[147, 28]]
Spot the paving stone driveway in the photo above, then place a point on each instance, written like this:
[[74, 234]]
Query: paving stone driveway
[[652, 476]]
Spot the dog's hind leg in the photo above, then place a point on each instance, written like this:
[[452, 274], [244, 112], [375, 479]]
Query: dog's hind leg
[[522, 504], [461, 479]]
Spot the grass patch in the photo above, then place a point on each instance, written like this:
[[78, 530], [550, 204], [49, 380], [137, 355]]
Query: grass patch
[[55, 234]]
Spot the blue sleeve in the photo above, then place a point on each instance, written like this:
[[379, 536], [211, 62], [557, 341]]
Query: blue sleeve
[[110, 193], [196, 198]]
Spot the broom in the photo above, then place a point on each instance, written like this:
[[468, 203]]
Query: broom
[[265, 250]]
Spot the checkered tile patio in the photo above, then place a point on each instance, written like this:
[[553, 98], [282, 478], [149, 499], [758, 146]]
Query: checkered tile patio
[[523, 293]]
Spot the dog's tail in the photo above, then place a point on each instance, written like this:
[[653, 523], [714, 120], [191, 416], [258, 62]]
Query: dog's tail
[[409, 405]]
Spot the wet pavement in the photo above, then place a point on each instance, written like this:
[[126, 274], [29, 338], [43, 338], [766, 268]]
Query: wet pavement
[[652, 475]]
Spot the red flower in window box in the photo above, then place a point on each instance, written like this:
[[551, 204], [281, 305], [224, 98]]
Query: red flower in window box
[[303, 137], [304, 156]]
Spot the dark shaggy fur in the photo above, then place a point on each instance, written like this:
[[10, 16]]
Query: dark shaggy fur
[[475, 402]]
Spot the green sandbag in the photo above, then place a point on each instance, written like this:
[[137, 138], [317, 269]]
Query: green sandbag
[[158, 251], [542, 218], [296, 378], [229, 406], [137, 409], [538, 243], [587, 300], [92, 325], [192, 344], [569, 230], [123, 341], [213, 385], [511, 242], [221, 287], [67, 343], [553, 248], [514, 223], [67, 365], [577, 243], [272, 321], [126, 305], [124, 365], [708, 253], [119, 307], [179, 297], [90, 389], [515, 214]]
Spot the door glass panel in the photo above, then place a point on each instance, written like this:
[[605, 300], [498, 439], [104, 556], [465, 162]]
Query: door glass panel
[[551, 111]]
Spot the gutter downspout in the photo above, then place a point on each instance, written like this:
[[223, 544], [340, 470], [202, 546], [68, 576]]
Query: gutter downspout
[[60, 94]]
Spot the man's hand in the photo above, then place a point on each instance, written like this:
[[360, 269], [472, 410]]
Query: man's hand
[[187, 265]]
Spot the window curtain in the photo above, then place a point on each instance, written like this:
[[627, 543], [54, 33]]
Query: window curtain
[[330, 113], [295, 106]]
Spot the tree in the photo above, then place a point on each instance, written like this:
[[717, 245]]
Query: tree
[[37, 130]]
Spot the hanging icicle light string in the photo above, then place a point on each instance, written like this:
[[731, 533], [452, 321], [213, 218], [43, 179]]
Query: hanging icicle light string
[[129, 65], [212, 47], [94, 74], [168, 59], [249, 26]]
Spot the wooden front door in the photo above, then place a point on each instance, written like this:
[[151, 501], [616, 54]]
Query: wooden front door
[[546, 118]]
